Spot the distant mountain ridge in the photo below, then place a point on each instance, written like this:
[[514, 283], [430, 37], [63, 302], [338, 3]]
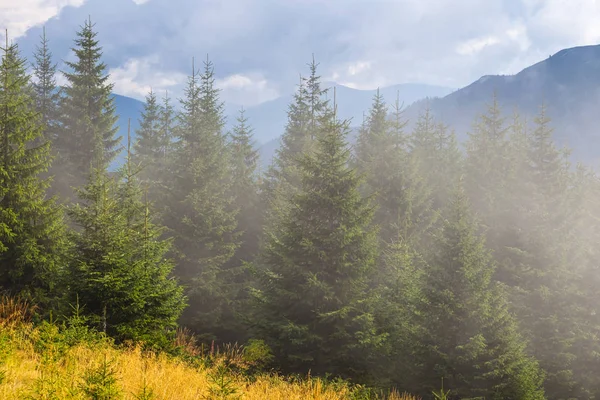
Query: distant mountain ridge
[[568, 83]]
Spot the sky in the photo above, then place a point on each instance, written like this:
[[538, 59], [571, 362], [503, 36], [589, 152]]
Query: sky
[[259, 47]]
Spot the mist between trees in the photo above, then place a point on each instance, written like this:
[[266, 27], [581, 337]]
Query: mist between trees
[[395, 260]]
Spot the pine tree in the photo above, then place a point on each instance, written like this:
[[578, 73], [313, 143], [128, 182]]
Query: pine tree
[[488, 162], [313, 308], [166, 128], [549, 293], [87, 111], [245, 188], [121, 275], [309, 106], [149, 147], [403, 201], [246, 201], [401, 272], [46, 91], [200, 210], [437, 156], [468, 336], [33, 243]]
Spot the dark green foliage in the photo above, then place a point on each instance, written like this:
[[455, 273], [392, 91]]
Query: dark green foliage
[[437, 156], [32, 231], [246, 200], [403, 200], [87, 113], [45, 88], [151, 144], [120, 273], [283, 178], [468, 335], [200, 210], [244, 159], [313, 309]]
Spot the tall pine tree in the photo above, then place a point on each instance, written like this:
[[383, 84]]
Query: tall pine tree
[[87, 112], [313, 308], [469, 337], [200, 210], [120, 273], [46, 90], [33, 241]]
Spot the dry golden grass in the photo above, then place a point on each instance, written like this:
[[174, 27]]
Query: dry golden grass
[[53, 371]]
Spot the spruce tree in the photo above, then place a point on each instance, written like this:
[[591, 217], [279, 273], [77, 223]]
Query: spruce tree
[[550, 297], [434, 149], [308, 107], [469, 337], [402, 198], [200, 210], [149, 146], [244, 157], [488, 162], [46, 90], [33, 243], [314, 311], [246, 200], [166, 129], [120, 273], [87, 112]]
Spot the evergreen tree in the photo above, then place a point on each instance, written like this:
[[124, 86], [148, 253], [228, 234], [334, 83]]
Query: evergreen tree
[[246, 200], [166, 128], [245, 188], [403, 201], [309, 106], [149, 147], [87, 120], [468, 336], [488, 162], [200, 210], [121, 275], [33, 241], [45, 88], [401, 272], [551, 253], [314, 311], [437, 156]]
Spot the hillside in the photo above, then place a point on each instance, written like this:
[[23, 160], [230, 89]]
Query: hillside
[[568, 82], [50, 361]]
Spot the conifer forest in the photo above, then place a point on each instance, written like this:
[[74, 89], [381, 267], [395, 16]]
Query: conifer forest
[[397, 260]]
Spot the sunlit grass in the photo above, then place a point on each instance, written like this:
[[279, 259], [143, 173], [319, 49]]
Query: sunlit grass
[[35, 363]]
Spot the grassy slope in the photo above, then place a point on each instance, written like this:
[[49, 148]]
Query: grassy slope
[[45, 362]]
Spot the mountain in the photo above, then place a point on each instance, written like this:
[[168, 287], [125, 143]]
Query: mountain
[[568, 82]]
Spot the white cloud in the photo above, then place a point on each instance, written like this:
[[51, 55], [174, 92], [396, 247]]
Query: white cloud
[[519, 34], [20, 15], [358, 67], [473, 46], [140, 2], [236, 81], [574, 22], [246, 89], [357, 75], [137, 76], [359, 43]]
